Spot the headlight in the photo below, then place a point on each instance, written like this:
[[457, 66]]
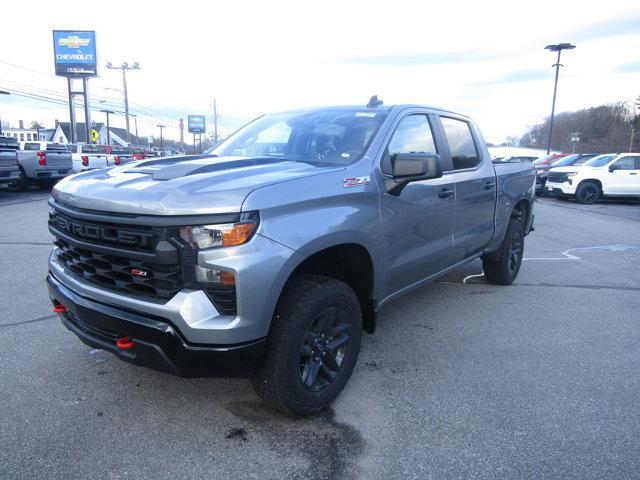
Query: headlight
[[202, 237], [572, 174]]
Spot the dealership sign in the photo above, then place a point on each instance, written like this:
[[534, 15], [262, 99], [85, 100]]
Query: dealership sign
[[196, 124], [75, 53]]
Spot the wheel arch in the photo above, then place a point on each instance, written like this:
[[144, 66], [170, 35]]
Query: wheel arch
[[351, 262]]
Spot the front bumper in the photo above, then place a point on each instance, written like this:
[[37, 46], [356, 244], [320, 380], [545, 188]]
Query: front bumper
[[157, 344], [560, 189]]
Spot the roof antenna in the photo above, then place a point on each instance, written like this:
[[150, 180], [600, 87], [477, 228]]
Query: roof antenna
[[374, 102]]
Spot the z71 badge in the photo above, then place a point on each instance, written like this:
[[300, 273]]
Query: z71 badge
[[355, 181]]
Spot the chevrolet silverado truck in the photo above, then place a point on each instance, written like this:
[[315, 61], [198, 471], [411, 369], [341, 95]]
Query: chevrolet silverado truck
[[605, 176], [88, 157], [42, 163], [274, 254], [9, 171]]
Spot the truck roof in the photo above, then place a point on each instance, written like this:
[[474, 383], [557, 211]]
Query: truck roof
[[380, 108]]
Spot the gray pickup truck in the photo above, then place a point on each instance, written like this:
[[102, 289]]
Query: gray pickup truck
[[42, 163], [273, 255], [9, 171]]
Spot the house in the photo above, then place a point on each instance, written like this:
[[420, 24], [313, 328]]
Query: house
[[31, 134], [117, 136]]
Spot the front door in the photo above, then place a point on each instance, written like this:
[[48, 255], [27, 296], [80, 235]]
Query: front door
[[418, 221]]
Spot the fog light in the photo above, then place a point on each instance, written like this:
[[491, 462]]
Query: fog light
[[212, 275]]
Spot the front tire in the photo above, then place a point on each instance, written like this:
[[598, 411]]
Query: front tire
[[587, 193], [312, 347], [502, 266]]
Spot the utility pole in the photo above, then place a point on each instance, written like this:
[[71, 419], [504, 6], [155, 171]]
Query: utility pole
[[4, 92], [215, 122], [575, 138], [556, 48], [125, 67], [636, 104], [108, 133], [161, 127], [135, 121]]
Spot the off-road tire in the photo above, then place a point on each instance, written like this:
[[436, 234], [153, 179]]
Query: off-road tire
[[500, 267], [278, 381], [19, 185], [587, 193]]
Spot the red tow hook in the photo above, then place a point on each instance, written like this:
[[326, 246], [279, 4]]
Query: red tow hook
[[59, 308], [125, 343]]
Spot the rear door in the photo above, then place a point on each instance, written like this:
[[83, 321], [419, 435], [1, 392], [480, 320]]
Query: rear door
[[418, 221], [475, 187]]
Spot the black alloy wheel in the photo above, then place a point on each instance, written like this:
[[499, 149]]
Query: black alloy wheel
[[323, 349]]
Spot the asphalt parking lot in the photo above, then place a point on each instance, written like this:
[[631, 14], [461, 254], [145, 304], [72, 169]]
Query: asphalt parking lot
[[462, 379]]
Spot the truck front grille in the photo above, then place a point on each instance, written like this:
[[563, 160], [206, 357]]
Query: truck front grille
[[119, 273], [557, 177]]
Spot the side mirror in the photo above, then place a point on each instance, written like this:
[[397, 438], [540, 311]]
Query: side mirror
[[409, 167], [614, 167]]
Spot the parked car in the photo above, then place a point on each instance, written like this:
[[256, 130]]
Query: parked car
[[9, 171], [42, 163], [542, 165], [275, 254], [573, 159], [87, 156], [604, 176]]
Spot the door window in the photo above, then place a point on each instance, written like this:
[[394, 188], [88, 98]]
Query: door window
[[413, 135], [626, 163], [461, 144]]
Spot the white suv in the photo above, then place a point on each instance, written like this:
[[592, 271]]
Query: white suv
[[602, 176]]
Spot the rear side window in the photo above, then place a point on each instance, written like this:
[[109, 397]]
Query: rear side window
[[461, 144], [32, 146], [56, 147]]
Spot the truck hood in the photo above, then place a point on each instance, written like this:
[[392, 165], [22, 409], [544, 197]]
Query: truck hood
[[573, 168], [188, 185]]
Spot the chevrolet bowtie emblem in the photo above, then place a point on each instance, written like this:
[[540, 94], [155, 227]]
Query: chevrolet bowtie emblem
[[74, 41]]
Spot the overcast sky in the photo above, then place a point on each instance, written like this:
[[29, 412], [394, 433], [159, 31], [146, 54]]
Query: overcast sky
[[485, 59]]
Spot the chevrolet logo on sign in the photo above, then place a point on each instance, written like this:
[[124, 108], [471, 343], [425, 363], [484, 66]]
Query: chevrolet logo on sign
[[74, 42]]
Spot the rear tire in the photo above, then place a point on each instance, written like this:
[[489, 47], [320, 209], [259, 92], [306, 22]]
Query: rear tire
[[305, 369], [45, 184], [587, 193], [502, 266], [19, 185]]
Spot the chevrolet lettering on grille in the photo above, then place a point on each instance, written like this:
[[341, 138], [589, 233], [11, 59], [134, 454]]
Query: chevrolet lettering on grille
[[102, 232]]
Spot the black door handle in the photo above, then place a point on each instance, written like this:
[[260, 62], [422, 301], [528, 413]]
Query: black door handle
[[489, 185], [445, 193]]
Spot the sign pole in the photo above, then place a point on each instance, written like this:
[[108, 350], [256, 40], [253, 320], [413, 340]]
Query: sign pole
[[87, 114], [72, 113]]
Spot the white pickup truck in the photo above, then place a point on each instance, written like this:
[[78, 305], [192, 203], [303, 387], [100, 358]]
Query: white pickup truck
[[88, 157], [42, 163], [608, 175]]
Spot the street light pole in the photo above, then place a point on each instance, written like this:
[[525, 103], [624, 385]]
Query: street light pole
[[3, 92], [108, 133], [556, 48], [125, 67], [161, 127]]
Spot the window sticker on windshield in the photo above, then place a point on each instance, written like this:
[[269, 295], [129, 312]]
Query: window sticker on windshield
[[365, 114]]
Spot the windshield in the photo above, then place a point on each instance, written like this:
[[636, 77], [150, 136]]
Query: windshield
[[564, 161], [584, 159], [542, 160], [599, 161], [323, 136]]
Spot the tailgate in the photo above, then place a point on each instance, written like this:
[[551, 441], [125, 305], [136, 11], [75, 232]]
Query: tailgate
[[56, 158], [8, 159]]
